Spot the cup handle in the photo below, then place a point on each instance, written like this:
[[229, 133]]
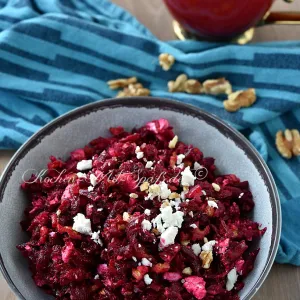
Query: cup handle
[[281, 18]]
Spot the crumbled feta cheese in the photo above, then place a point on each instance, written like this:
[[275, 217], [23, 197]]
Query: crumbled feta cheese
[[196, 249], [149, 164], [147, 279], [140, 155], [134, 258], [126, 216], [146, 262], [99, 209], [168, 237], [96, 238], [182, 281], [180, 158], [82, 224], [157, 222], [58, 212], [133, 195], [193, 226], [139, 152], [231, 279], [146, 225], [191, 214], [96, 277], [171, 219], [84, 165], [203, 193], [165, 192], [197, 166], [212, 204], [241, 195], [208, 246], [81, 175], [173, 142], [93, 179], [182, 195], [90, 188], [188, 178], [216, 187], [147, 212]]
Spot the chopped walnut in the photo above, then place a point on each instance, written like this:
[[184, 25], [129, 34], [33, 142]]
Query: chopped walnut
[[121, 83], [173, 142], [132, 90], [185, 188], [193, 86], [207, 258], [288, 143], [154, 189], [174, 196], [155, 231], [166, 61], [178, 84], [185, 242], [240, 99], [165, 204], [144, 186], [187, 271], [217, 86]]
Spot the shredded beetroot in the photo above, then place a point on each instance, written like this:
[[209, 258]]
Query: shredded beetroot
[[114, 222]]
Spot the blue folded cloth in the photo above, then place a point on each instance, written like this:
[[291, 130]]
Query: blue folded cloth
[[56, 55]]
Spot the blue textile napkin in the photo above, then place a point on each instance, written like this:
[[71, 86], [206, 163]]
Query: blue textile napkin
[[56, 55]]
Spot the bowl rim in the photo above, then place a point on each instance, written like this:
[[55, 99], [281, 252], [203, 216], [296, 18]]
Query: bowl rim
[[167, 104]]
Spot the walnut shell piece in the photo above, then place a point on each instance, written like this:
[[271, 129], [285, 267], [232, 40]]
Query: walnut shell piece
[[240, 99]]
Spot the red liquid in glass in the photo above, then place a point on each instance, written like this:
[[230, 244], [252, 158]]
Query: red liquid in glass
[[218, 19]]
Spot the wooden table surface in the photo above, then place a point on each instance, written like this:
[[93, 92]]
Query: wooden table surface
[[283, 283]]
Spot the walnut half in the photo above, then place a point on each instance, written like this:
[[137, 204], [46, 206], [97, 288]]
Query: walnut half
[[121, 83], [183, 84], [132, 90], [166, 61], [240, 99], [217, 86], [288, 143], [178, 84]]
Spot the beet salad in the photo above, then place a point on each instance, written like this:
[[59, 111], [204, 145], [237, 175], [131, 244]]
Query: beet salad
[[139, 215]]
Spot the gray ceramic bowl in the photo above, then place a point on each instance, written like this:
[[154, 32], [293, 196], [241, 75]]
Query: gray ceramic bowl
[[232, 151]]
